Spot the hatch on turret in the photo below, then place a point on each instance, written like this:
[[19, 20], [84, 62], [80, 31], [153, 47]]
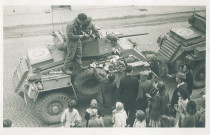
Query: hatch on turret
[[187, 36]]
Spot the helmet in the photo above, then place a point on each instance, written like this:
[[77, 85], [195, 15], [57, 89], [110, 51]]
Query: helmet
[[82, 17]]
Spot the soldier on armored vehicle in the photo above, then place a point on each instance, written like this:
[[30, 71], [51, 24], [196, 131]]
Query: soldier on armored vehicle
[[81, 29], [57, 86]]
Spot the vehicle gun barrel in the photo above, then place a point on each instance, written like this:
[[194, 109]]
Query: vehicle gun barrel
[[132, 35], [114, 37]]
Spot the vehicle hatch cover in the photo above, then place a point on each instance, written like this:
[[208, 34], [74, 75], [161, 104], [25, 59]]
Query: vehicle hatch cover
[[186, 33]]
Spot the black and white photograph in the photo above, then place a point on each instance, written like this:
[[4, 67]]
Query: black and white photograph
[[104, 66]]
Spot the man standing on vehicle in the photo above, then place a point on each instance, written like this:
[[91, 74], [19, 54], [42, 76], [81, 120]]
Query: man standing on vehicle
[[90, 29], [74, 46], [128, 92]]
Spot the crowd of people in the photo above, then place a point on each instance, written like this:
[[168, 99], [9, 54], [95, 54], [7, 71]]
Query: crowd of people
[[140, 102]]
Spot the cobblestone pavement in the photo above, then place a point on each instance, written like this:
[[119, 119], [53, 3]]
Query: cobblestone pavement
[[22, 115]]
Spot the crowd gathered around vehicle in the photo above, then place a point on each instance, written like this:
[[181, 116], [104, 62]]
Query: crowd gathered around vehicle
[[142, 102]]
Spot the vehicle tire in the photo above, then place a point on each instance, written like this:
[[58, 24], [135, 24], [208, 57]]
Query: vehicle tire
[[86, 83], [50, 107], [199, 75]]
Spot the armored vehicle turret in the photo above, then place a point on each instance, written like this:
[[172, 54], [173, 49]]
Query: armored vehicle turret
[[187, 45]]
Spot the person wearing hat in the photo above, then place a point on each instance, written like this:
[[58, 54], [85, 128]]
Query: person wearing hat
[[145, 86], [180, 78], [90, 29], [128, 90], [74, 48]]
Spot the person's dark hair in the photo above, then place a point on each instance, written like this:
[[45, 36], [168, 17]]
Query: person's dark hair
[[172, 121], [183, 93], [161, 86], [191, 107], [82, 17], [87, 22], [111, 78], [129, 68], [72, 103], [140, 115], [7, 123], [164, 121], [149, 77], [188, 66]]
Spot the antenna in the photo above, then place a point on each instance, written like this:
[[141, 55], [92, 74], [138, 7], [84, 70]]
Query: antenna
[[52, 19], [62, 25], [194, 11]]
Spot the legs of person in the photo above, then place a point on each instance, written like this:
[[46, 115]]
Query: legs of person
[[177, 119], [102, 121], [127, 111], [154, 123], [131, 110], [132, 116], [157, 123], [69, 56], [78, 56], [147, 114], [190, 92]]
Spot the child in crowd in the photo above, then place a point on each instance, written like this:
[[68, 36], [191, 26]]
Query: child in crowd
[[166, 121], [192, 116], [93, 105], [70, 116], [181, 106], [140, 119], [119, 116], [94, 120], [159, 105]]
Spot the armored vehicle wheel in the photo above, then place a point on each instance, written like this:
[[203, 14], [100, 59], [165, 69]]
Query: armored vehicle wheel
[[86, 83], [50, 107], [199, 75]]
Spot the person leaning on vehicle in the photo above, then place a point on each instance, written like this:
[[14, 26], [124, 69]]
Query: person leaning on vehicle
[[90, 29], [107, 92], [74, 37]]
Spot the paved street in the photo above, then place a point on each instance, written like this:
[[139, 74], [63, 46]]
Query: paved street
[[22, 115]]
